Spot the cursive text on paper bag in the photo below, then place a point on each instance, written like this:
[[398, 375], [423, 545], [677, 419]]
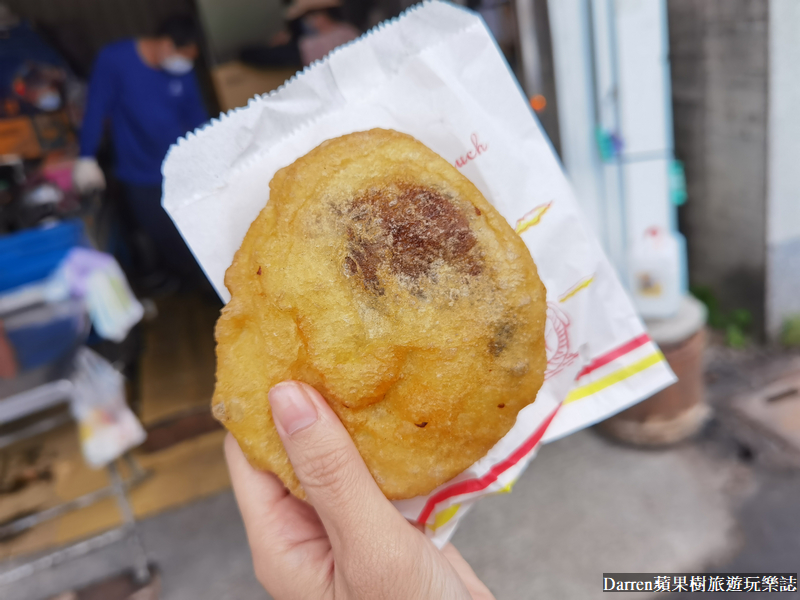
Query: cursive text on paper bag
[[473, 153]]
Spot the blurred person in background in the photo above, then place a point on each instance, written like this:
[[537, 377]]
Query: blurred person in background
[[322, 27], [146, 89], [313, 28]]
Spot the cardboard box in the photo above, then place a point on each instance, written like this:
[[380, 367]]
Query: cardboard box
[[236, 83]]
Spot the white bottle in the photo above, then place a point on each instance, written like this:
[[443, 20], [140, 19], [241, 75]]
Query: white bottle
[[655, 275]]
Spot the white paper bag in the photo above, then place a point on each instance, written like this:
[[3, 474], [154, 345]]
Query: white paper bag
[[436, 73]]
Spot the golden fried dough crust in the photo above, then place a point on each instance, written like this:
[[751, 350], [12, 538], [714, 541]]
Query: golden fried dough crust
[[380, 275]]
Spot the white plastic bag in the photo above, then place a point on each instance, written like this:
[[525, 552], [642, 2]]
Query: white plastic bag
[[108, 428], [97, 278]]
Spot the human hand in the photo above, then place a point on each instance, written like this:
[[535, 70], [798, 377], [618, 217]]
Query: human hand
[[87, 176], [349, 542]]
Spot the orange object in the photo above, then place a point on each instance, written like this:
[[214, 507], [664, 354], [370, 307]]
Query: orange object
[[17, 136], [11, 107], [538, 103], [8, 364]]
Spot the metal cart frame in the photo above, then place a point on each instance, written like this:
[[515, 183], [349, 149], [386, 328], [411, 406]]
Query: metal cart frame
[[37, 400]]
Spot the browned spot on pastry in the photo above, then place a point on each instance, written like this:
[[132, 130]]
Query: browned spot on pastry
[[421, 424], [477, 211], [259, 271], [350, 267], [367, 260], [501, 405], [501, 339], [406, 229]]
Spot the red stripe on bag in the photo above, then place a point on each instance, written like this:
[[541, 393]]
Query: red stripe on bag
[[475, 485], [614, 354]]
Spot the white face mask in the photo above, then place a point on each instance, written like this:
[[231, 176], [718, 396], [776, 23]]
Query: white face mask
[[177, 65], [49, 101]]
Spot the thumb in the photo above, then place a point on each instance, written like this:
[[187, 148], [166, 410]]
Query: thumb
[[330, 469]]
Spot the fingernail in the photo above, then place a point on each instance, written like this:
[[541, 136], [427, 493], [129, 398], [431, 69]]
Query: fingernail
[[291, 407]]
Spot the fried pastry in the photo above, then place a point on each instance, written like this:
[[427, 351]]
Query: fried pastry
[[379, 274]]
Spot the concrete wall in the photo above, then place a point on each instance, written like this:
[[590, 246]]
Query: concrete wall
[[719, 58], [783, 189]]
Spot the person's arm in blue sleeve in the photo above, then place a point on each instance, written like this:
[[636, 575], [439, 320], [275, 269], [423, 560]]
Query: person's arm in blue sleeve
[[102, 89], [196, 113]]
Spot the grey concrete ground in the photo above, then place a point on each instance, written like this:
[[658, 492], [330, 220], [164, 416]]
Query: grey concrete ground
[[200, 550], [585, 506]]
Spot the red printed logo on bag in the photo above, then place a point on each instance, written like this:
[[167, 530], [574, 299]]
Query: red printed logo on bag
[[556, 341]]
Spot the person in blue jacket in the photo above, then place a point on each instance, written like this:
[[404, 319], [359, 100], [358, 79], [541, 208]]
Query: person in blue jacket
[[147, 91]]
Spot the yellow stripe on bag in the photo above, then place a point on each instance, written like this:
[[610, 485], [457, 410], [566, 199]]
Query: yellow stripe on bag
[[577, 288], [443, 517], [507, 488], [615, 377]]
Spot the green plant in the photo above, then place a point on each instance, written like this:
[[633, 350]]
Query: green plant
[[735, 337], [790, 336], [736, 323], [716, 318]]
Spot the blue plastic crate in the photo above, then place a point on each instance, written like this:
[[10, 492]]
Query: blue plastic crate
[[33, 254]]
